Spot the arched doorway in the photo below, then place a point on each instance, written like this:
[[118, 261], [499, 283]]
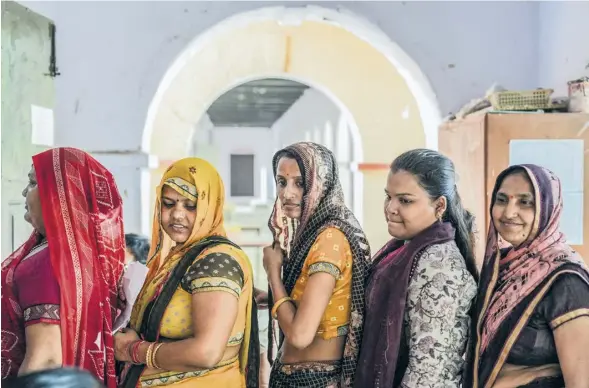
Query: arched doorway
[[344, 127], [243, 128], [345, 56]]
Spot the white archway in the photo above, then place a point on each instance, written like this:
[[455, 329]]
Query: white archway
[[354, 131], [356, 138], [339, 53], [357, 25]]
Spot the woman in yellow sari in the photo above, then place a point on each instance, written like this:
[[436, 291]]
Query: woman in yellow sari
[[194, 322]]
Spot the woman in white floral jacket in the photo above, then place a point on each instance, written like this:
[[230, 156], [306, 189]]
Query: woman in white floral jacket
[[423, 281]]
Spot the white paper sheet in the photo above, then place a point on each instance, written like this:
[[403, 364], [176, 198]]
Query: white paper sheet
[[565, 158], [132, 282], [42, 129]]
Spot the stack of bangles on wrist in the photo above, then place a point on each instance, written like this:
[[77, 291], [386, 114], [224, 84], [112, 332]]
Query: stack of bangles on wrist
[[152, 350], [278, 303]]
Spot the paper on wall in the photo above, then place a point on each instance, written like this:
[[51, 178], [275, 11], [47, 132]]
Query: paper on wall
[[565, 158], [42, 128]]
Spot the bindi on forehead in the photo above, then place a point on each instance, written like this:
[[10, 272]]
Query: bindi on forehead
[[514, 196], [290, 175]]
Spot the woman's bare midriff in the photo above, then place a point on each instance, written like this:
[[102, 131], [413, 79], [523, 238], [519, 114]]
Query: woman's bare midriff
[[230, 352], [319, 350]]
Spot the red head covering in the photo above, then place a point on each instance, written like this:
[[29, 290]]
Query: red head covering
[[82, 212]]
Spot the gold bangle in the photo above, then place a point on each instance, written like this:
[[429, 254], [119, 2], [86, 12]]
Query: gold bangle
[[278, 303], [153, 362], [148, 355]]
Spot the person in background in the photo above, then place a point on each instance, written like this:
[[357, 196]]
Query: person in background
[[59, 289], [532, 312], [316, 270], [54, 378], [194, 323], [423, 281], [137, 248]]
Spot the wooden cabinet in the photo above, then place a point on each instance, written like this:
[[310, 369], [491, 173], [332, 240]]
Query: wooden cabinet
[[480, 148]]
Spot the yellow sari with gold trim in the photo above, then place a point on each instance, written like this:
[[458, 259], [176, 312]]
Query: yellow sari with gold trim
[[198, 181]]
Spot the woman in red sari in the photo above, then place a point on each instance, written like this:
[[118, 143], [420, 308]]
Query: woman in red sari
[[59, 289]]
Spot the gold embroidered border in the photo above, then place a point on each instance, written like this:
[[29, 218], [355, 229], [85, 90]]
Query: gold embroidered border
[[71, 240], [518, 328], [183, 187], [48, 311], [325, 267], [310, 367], [556, 322], [489, 292], [215, 284], [169, 378], [236, 339], [332, 332]]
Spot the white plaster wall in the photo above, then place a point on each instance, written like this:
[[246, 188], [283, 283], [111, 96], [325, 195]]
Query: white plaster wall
[[563, 43], [202, 137], [308, 115], [112, 55]]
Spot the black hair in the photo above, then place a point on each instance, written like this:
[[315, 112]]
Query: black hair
[[138, 245], [54, 378], [435, 173]]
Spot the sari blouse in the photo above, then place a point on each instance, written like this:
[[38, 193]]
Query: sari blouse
[[211, 271], [330, 254], [78, 272], [567, 299], [37, 292], [37, 288]]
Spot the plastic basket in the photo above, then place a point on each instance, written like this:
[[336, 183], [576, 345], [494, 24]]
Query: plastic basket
[[521, 100]]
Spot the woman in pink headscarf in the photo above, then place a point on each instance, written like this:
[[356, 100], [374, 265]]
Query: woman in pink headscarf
[[531, 327]]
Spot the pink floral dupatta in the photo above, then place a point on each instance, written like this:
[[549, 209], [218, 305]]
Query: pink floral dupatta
[[513, 283]]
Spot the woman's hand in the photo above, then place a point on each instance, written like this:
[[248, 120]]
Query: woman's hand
[[122, 341], [273, 259]]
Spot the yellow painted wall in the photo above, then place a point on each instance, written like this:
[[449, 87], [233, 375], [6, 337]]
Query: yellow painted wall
[[325, 55]]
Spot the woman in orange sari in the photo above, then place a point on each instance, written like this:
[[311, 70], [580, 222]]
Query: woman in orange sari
[[316, 270], [59, 289], [194, 323]]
